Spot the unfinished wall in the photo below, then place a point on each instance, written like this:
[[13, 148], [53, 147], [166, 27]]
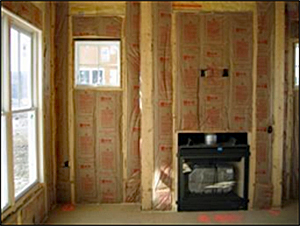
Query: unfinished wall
[[290, 165], [201, 99], [163, 124], [98, 124], [233, 117], [208, 43], [97, 8], [49, 98], [63, 189], [264, 112], [35, 207], [294, 188], [132, 76], [89, 147], [98, 146]]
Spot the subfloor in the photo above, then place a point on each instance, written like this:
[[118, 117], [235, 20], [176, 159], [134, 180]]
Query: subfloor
[[131, 214]]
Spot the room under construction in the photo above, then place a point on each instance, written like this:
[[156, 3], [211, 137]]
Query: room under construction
[[149, 112]]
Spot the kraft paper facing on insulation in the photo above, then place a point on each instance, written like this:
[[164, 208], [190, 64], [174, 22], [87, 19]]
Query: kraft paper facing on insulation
[[295, 149], [34, 212], [98, 148], [293, 11], [132, 33], [263, 180], [97, 7], [106, 26], [208, 43], [48, 88], [61, 41], [26, 11], [98, 125], [291, 32], [163, 135]]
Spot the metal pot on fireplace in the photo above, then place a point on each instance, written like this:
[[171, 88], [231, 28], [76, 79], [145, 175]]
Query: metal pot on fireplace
[[210, 138]]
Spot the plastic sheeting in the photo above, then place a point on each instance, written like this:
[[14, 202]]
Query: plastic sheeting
[[33, 209], [132, 33], [263, 180], [98, 126], [209, 99], [295, 149], [61, 40], [293, 14], [163, 135], [291, 31], [25, 10], [98, 146], [48, 91], [105, 26], [34, 212]]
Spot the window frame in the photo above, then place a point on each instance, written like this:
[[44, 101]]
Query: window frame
[[10, 20], [90, 70], [77, 41], [32, 93]]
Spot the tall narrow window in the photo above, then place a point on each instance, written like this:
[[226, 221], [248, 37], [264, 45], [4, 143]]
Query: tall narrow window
[[21, 109]]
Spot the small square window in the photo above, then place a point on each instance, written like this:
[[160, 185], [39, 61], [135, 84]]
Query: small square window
[[97, 64]]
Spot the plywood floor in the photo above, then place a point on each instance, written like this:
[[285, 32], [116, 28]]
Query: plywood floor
[[131, 214]]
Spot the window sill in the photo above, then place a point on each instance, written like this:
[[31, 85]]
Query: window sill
[[22, 200]]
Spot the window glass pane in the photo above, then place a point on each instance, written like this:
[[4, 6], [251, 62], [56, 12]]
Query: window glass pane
[[2, 63], [4, 181], [14, 66], [24, 150], [20, 70], [88, 55], [101, 80], [95, 77], [84, 77], [25, 69], [99, 54], [113, 76], [297, 64]]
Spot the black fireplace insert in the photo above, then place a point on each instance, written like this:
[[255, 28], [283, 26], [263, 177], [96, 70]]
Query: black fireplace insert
[[215, 176]]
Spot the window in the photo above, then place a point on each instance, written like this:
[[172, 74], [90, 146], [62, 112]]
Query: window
[[97, 64], [296, 60], [21, 114], [91, 76]]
